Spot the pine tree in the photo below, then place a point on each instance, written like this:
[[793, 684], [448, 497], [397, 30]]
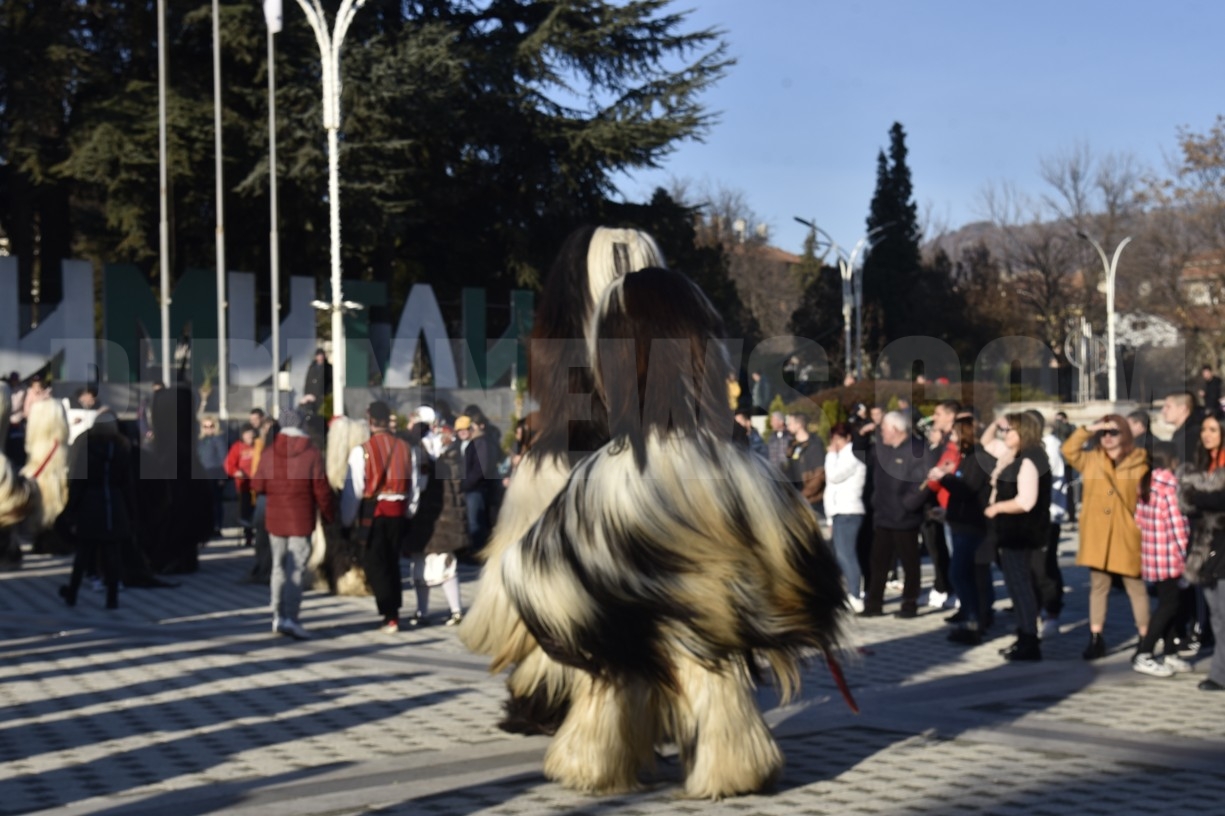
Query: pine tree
[[892, 277]]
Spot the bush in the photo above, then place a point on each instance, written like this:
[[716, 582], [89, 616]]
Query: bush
[[925, 397]]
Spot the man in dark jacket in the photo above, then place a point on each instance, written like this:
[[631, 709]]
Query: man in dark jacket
[[292, 478], [1178, 410], [899, 489], [475, 453], [318, 382]]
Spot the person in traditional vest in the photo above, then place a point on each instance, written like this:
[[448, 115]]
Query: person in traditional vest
[[375, 499]]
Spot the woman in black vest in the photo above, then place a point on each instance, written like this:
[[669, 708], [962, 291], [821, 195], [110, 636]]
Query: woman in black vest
[[1020, 520]]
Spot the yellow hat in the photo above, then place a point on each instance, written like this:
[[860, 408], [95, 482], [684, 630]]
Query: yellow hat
[[462, 423]]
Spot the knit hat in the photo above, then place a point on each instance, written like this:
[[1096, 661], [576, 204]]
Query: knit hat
[[292, 418]]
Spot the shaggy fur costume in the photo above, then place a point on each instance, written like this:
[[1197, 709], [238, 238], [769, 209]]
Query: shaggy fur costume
[[18, 500], [336, 558], [672, 566], [559, 380], [47, 461]]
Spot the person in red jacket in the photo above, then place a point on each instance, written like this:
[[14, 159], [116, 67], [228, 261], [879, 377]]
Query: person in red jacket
[[294, 482], [238, 468]]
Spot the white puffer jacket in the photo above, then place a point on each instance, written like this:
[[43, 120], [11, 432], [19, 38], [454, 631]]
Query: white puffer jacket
[[845, 475]]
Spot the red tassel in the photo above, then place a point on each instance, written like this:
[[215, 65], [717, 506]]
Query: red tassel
[[840, 679]]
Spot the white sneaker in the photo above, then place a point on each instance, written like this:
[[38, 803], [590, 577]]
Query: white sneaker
[[856, 603], [895, 585], [935, 600], [1050, 628], [276, 625], [1177, 664], [1147, 664], [294, 630]]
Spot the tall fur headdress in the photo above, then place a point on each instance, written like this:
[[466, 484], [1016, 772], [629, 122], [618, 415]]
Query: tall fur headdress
[[590, 259], [659, 360]]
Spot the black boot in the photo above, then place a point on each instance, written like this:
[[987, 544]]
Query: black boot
[[1096, 647], [69, 595], [966, 635], [1026, 648]]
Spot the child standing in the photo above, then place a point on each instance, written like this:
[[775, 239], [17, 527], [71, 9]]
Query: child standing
[[1164, 533], [238, 466]]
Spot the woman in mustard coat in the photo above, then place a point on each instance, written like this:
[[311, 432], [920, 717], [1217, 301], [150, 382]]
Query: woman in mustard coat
[[1109, 537]]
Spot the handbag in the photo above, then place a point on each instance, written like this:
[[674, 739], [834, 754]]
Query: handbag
[[1205, 564], [439, 568]]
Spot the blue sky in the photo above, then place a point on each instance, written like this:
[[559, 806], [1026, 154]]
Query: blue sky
[[984, 90]]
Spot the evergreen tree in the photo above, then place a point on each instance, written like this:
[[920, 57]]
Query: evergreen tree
[[474, 134], [892, 275], [818, 317]]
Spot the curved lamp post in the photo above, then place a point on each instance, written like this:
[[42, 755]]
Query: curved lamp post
[[852, 290], [329, 54], [1110, 267]]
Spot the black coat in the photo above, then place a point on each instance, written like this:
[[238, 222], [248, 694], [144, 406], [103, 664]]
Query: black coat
[[101, 491], [318, 381], [899, 484]]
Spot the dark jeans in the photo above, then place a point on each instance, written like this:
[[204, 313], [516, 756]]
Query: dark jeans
[[889, 546], [846, 533], [938, 552], [962, 571], [1161, 624], [382, 565], [1017, 566], [1048, 578], [478, 519], [218, 503]]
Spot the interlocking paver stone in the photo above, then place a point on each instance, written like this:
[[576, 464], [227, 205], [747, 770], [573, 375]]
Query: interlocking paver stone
[[182, 702]]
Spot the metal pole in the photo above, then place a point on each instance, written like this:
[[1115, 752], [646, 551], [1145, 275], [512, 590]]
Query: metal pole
[[274, 249], [163, 226], [223, 365], [1109, 266], [329, 54], [848, 305], [858, 281]]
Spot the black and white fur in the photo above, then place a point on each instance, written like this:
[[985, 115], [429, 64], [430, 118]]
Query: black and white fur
[[671, 566], [589, 260]]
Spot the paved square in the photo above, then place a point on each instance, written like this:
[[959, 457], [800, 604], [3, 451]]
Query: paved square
[[183, 702]]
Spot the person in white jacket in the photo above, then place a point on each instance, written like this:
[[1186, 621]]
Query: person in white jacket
[[845, 475]]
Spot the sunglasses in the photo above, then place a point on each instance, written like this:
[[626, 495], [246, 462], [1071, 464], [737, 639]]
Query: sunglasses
[[208, 426], [1003, 429], [1109, 432]]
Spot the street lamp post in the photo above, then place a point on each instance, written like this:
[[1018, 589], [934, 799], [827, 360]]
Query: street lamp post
[[852, 290], [163, 225], [329, 54], [1110, 267]]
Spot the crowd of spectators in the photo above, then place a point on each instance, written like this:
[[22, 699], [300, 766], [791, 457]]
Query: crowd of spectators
[[987, 498]]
